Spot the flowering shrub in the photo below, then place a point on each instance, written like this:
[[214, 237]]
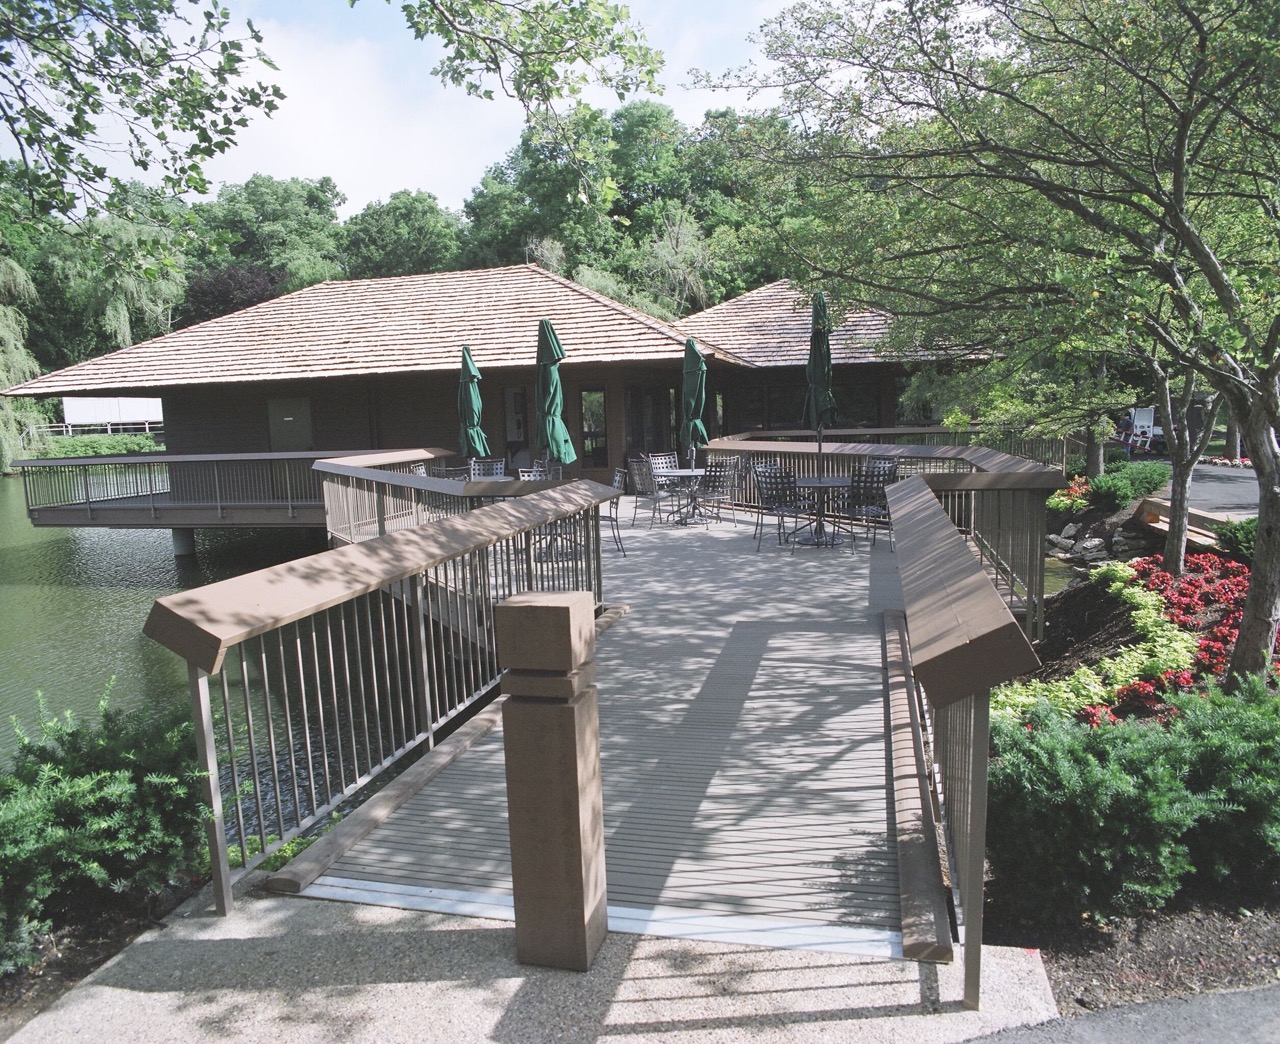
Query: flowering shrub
[[1146, 770], [1165, 648], [1074, 498], [1229, 462], [1208, 597]]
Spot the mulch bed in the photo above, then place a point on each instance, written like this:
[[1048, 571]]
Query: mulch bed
[[1196, 945]]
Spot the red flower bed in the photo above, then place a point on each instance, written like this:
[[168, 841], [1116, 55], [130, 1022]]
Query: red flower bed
[[1207, 599]]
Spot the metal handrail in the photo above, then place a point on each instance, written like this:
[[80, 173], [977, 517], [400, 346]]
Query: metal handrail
[[363, 499], [213, 480], [310, 678], [1052, 451]]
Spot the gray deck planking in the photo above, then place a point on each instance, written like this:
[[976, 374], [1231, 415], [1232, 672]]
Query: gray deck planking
[[742, 707]]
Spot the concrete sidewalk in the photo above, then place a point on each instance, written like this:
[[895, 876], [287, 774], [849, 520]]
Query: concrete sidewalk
[[307, 970]]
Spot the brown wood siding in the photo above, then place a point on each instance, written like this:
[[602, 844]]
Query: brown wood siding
[[222, 420], [340, 417]]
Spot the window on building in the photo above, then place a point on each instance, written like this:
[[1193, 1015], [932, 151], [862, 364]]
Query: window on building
[[595, 443]]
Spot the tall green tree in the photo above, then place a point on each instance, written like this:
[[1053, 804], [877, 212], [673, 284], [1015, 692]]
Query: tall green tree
[[16, 363], [408, 234], [288, 226], [1014, 171]]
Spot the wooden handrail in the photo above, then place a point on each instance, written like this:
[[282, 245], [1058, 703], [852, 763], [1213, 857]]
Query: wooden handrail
[[166, 458], [201, 624], [993, 469], [964, 640]]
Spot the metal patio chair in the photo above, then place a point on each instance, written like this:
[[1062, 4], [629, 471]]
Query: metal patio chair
[[488, 467], [719, 487], [648, 488], [610, 509], [776, 488]]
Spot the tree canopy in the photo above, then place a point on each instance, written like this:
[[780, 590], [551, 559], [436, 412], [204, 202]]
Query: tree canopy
[[156, 81], [1020, 174], [536, 52]]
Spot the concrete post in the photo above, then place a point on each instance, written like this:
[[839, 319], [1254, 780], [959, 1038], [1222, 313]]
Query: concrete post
[[184, 542], [551, 734]]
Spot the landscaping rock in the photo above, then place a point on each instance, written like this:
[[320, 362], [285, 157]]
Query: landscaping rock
[[1088, 545], [1070, 530], [1061, 542]]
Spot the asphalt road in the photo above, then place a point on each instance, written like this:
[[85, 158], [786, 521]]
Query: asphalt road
[[1232, 492]]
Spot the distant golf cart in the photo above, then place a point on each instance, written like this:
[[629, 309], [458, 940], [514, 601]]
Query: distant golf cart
[[1145, 435]]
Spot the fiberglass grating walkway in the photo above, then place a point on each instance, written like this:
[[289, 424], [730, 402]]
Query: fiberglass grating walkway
[[743, 754]]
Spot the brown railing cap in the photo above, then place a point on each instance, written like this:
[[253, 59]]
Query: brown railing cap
[[201, 624], [964, 640]]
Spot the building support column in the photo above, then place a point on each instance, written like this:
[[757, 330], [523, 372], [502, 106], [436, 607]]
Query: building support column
[[551, 736], [184, 542]]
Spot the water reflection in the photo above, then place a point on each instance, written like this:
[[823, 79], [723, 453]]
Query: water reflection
[[73, 601]]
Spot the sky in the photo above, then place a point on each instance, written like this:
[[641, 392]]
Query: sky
[[362, 107]]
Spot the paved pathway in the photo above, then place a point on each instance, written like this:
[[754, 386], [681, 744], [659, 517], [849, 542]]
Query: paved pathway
[[1232, 492]]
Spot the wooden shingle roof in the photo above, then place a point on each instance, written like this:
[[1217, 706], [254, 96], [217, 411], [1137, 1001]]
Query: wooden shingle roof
[[770, 327], [405, 324]]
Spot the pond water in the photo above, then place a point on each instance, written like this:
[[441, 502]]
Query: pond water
[[73, 602], [1057, 574]]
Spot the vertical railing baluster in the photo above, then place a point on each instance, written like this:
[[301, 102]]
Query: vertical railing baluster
[[272, 750], [233, 754], [306, 719], [254, 767], [207, 763]]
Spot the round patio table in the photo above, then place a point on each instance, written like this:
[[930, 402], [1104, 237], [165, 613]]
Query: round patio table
[[819, 535], [687, 480]]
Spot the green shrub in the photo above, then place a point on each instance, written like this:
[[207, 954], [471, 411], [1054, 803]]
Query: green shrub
[[126, 791], [1234, 743], [1236, 538], [89, 812], [1110, 491], [98, 445], [29, 842], [1126, 483], [1089, 821], [1146, 476]]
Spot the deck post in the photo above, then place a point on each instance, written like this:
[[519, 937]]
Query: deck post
[[184, 541], [207, 760], [551, 737]]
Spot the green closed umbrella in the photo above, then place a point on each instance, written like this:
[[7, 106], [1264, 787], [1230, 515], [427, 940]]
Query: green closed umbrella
[[471, 435], [693, 433], [549, 432], [819, 399]]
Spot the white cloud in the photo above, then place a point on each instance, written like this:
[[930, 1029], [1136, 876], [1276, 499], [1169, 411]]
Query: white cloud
[[363, 108], [368, 113]]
